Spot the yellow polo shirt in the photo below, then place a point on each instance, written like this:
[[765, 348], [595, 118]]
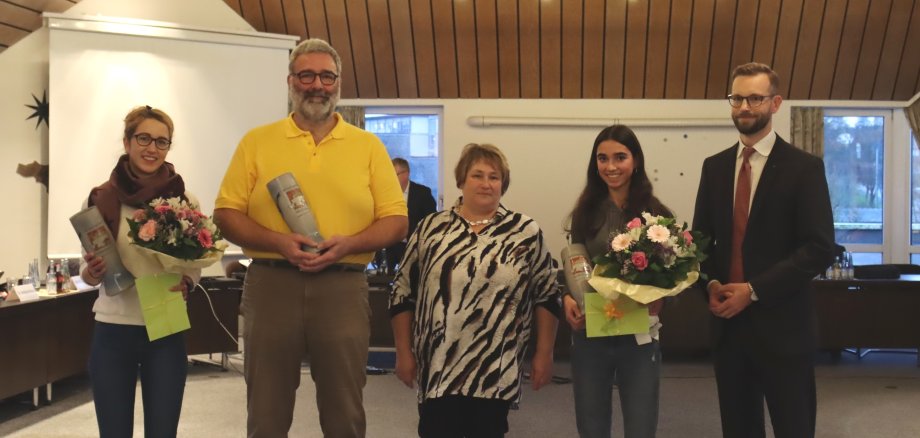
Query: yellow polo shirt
[[348, 179]]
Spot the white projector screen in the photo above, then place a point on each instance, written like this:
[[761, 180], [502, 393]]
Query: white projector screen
[[214, 85]]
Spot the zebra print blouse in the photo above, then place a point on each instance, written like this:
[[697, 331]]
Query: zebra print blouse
[[474, 296]]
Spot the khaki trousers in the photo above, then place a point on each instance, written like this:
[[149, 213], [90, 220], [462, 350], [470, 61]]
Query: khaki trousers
[[289, 315]]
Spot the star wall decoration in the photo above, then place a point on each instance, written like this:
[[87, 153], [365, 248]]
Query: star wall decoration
[[40, 109]]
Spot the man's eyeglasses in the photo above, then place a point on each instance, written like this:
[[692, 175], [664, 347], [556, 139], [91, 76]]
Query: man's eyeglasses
[[753, 100], [162, 143], [309, 77]]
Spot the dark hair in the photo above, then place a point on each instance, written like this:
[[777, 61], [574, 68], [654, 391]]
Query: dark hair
[[756, 68], [640, 188], [137, 116], [401, 162], [473, 153]]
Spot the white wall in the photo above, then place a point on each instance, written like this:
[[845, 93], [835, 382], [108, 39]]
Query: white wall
[[548, 163], [23, 72]]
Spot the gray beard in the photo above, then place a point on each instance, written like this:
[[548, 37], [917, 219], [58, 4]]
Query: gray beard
[[314, 112]]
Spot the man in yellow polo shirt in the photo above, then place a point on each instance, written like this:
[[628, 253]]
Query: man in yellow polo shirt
[[314, 302]]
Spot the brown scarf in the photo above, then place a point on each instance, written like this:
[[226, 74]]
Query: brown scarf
[[124, 187]]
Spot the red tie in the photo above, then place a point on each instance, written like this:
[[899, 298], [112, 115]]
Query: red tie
[[740, 216]]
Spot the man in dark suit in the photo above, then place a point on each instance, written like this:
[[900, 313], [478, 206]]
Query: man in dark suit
[[421, 203], [766, 205]]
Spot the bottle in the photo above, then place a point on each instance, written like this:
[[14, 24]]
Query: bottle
[[65, 274], [58, 278], [50, 279]]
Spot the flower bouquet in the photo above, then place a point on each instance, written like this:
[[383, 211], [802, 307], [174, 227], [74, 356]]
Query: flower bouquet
[[177, 233], [651, 259], [181, 238]]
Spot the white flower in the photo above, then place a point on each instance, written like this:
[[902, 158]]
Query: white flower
[[184, 224], [658, 233], [175, 203], [635, 233], [649, 218], [621, 242]]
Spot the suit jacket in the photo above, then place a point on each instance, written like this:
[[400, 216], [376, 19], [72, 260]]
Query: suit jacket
[[789, 240], [421, 203]]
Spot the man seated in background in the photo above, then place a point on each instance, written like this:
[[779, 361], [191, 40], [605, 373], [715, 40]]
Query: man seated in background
[[421, 203]]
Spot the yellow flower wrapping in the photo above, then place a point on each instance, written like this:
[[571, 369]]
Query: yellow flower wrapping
[[612, 288]]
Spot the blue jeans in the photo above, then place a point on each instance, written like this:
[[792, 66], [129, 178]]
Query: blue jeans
[[600, 363], [119, 354]]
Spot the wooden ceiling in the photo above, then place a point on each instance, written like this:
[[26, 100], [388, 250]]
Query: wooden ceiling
[[654, 49]]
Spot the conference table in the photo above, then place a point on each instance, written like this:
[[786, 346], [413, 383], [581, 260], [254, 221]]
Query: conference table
[[47, 340]]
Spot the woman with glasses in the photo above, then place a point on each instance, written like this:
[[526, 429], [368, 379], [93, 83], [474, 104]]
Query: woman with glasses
[[617, 190], [120, 350]]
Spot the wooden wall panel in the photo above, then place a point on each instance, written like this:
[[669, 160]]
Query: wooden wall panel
[[717, 84], [403, 53], [867, 66], [572, 20], [826, 60], [529, 16], [509, 62], [673, 49], [615, 49], [906, 85], [551, 49], [294, 19], [700, 41], [656, 58], [467, 59], [442, 14], [804, 64], [426, 62], [274, 16], [850, 43], [251, 11], [340, 38], [636, 40], [378, 17], [678, 50], [787, 39], [315, 11], [890, 60], [592, 62], [487, 48]]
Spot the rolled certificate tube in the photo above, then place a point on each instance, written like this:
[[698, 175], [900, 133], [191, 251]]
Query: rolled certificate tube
[[294, 208], [576, 266], [96, 237]]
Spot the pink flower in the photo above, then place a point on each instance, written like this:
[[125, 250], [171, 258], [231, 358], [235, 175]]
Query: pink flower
[[148, 231], [204, 238], [688, 237], [635, 223], [639, 260], [658, 234], [139, 215], [162, 208]]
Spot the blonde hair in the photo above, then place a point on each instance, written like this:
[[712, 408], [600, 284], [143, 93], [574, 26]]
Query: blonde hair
[[137, 116], [488, 153]]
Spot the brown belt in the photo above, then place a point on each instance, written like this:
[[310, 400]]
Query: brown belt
[[335, 267]]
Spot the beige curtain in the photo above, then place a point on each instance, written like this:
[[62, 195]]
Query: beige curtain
[[913, 118], [808, 129], [353, 115]]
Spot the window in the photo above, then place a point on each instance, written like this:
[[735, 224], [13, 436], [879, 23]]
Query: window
[[854, 157], [414, 135]]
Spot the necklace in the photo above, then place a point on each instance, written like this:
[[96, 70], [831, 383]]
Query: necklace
[[481, 221]]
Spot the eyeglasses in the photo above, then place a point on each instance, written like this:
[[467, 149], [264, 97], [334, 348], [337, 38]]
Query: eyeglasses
[[162, 143], [308, 77], [753, 100]]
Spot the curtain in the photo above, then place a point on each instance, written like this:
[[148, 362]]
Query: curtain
[[808, 129], [353, 115], [913, 118]]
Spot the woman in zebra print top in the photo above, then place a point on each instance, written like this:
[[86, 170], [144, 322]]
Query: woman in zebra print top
[[463, 302]]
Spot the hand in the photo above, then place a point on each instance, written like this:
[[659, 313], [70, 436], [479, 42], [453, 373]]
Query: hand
[[541, 370], [715, 297], [330, 251], [95, 269], [406, 369], [186, 284], [654, 308], [290, 247], [573, 314], [737, 297]]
